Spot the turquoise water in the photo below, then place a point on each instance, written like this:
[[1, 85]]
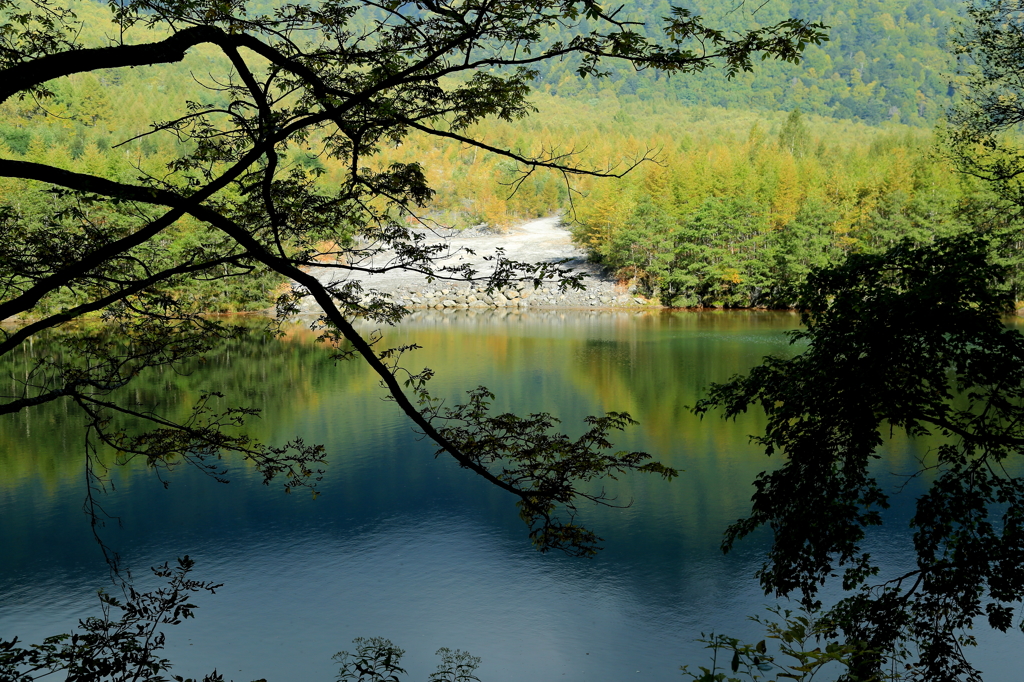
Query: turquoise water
[[409, 547]]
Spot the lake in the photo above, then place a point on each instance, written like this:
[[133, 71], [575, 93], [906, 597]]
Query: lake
[[412, 548]]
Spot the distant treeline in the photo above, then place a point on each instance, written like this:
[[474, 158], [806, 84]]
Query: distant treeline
[[885, 61], [738, 222]]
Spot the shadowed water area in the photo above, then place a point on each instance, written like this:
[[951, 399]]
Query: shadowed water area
[[412, 548]]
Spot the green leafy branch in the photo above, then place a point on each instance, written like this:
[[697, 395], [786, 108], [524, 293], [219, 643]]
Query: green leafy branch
[[793, 636]]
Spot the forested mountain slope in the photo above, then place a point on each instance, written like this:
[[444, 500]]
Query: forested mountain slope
[[737, 208], [885, 60]]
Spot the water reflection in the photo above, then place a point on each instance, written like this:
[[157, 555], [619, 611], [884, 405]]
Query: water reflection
[[405, 546]]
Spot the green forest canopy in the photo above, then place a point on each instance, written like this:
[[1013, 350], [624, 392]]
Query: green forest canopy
[[711, 225], [885, 61]]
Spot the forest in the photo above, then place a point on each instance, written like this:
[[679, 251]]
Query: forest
[[749, 184], [879, 198]]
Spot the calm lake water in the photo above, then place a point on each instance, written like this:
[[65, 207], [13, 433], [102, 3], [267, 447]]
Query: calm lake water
[[408, 547]]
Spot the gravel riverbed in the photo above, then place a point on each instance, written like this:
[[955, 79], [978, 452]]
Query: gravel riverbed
[[539, 241]]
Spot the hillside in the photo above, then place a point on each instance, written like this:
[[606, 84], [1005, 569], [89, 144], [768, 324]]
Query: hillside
[[885, 61], [764, 198]]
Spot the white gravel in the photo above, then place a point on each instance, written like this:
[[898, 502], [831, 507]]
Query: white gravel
[[544, 240]]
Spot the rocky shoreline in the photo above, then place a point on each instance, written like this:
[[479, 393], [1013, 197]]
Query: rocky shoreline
[[456, 295], [538, 241], [522, 295]]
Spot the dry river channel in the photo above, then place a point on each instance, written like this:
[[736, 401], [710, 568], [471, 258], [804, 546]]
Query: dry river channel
[[545, 240]]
